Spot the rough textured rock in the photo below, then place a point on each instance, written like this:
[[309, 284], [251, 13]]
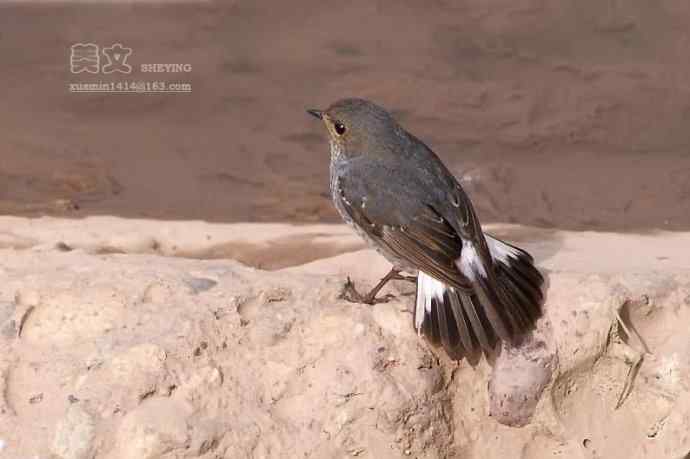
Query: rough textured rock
[[256, 364], [146, 356], [519, 377], [578, 414], [74, 434]]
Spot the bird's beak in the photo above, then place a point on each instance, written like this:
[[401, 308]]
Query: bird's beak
[[316, 113]]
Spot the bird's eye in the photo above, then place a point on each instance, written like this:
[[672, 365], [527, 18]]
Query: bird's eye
[[339, 128]]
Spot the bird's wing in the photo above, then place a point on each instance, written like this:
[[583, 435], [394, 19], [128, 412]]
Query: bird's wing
[[402, 221], [460, 213], [449, 199]]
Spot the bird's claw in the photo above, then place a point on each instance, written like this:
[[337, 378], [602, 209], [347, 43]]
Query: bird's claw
[[350, 293]]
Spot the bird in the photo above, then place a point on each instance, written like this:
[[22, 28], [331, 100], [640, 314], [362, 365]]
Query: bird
[[473, 290]]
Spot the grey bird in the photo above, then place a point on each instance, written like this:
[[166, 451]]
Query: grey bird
[[473, 289]]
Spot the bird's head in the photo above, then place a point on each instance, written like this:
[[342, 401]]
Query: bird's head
[[359, 127]]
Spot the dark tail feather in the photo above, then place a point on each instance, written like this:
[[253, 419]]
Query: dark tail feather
[[511, 290], [448, 328], [445, 321], [519, 282], [505, 304]]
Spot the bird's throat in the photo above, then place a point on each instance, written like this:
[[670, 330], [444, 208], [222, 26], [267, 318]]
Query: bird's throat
[[336, 150]]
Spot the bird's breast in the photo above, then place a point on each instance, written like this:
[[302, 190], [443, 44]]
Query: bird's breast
[[340, 206]]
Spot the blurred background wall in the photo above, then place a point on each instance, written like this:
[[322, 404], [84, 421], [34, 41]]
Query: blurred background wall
[[568, 113]]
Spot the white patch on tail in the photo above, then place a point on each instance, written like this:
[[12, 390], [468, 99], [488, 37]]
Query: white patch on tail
[[427, 288], [501, 251], [469, 263]]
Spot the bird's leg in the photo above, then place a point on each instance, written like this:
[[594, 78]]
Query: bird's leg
[[400, 277], [351, 294], [370, 297]]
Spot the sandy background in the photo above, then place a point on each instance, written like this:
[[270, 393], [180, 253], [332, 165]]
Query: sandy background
[[568, 114]]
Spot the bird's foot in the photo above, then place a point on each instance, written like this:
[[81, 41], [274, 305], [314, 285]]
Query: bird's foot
[[350, 293]]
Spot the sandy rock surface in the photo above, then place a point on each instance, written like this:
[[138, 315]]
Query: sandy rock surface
[[132, 353]]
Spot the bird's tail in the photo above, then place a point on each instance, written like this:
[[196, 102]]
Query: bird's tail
[[505, 302]]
